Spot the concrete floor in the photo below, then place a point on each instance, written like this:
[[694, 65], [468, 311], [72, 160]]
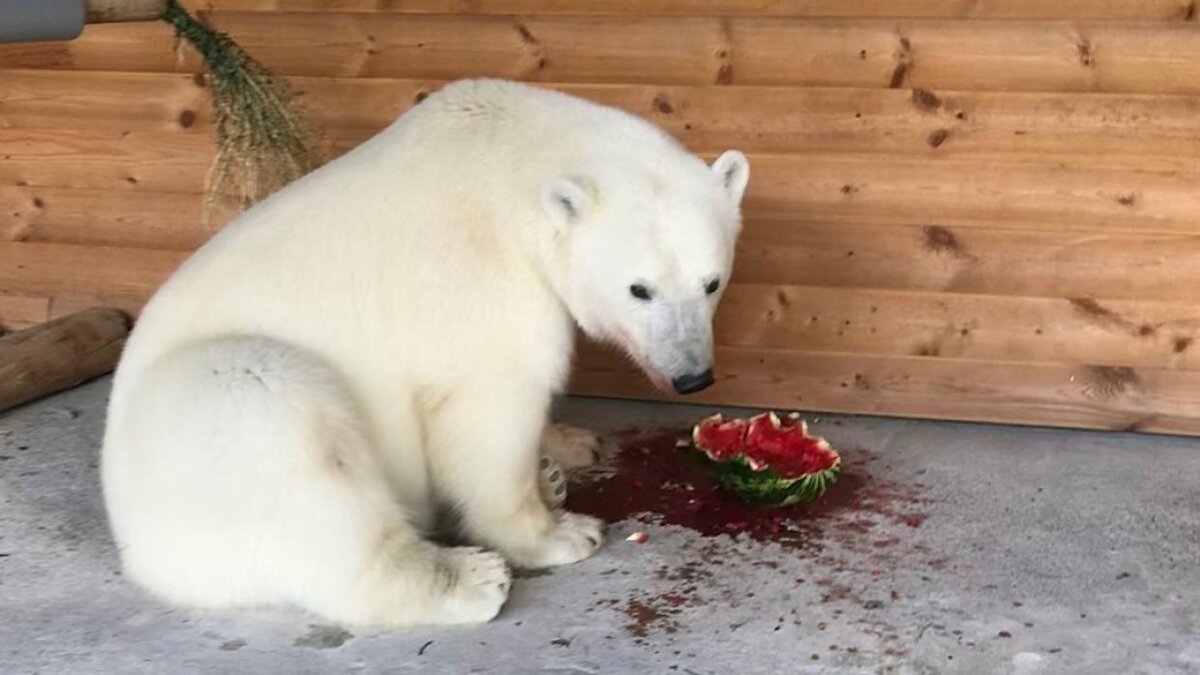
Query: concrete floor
[[950, 549]]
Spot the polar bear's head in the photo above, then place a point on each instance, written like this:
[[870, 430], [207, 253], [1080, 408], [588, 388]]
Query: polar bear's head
[[648, 253]]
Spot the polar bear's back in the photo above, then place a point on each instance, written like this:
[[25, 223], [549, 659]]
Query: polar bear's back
[[371, 236], [529, 113], [406, 230]]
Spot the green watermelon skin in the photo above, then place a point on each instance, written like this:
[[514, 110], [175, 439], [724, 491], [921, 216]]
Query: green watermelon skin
[[728, 447]]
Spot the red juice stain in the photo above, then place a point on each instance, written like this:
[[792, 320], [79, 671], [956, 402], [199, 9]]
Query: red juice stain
[[673, 599], [644, 617], [655, 480]]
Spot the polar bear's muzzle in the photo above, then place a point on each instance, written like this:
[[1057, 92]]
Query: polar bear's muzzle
[[679, 344]]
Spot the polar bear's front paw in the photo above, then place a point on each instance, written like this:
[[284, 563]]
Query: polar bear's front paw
[[571, 447], [479, 584], [574, 538]]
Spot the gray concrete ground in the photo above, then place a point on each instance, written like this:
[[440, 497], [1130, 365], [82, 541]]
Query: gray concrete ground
[[950, 549]]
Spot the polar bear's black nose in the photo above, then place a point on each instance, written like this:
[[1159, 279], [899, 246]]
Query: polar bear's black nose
[[690, 384]]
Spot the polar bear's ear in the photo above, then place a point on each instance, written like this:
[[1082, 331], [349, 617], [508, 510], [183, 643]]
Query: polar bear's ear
[[734, 171], [566, 199]]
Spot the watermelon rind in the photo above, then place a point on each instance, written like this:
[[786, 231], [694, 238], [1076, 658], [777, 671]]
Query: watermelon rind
[[759, 484], [764, 487]]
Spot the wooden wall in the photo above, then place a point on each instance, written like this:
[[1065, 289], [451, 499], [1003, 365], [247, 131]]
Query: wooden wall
[[967, 209]]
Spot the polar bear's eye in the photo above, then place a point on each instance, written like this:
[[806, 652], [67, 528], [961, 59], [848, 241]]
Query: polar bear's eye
[[712, 286], [640, 292]]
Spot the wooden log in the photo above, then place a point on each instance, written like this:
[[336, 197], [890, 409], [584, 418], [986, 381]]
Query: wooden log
[[1098, 56], [1048, 394], [20, 312], [65, 304], [112, 11], [941, 9], [60, 354], [1147, 131]]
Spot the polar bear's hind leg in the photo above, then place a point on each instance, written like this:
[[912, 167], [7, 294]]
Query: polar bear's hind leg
[[242, 473]]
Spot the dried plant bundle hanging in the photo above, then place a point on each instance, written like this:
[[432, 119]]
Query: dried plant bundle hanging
[[264, 140]]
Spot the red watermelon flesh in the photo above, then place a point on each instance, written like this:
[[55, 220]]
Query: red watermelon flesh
[[766, 441], [719, 439]]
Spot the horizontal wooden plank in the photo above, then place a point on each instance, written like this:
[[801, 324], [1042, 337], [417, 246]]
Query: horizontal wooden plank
[[826, 187], [1090, 395], [1046, 262], [130, 161], [1049, 394], [1144, 130], [995, 56], [1143, 56], [102, 101], [108, 160], [892, 190], [974, 261], [18, 312], [1081, 330], [979, 9], [810, 320], [1078, 330], [152, 220], [45, 270]]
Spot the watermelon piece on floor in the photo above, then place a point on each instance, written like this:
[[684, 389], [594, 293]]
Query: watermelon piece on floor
[[767, 461]]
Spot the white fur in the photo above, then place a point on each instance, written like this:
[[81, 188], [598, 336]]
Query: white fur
[[384, 336]]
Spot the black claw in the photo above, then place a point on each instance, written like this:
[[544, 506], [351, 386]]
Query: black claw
[[555, 476], [560, 489], [593, 540], [545, 464]]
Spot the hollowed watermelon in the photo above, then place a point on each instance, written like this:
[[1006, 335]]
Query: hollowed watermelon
[[768, 461]]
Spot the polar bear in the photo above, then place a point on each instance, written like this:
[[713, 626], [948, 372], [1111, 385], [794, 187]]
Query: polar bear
[[377, 345]]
